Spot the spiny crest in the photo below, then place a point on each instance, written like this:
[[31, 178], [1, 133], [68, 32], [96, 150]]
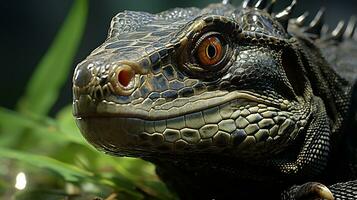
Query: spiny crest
[[315, 26], [316, 29]]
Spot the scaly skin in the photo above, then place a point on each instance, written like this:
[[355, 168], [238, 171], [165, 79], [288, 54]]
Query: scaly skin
[[271, 119]]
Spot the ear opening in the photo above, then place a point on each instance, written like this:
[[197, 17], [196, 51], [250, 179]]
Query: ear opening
[[293, 70]]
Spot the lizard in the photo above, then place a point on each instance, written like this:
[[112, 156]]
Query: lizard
[[229, 102]]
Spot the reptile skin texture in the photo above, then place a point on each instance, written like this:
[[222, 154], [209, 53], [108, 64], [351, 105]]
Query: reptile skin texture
[[229, 102]]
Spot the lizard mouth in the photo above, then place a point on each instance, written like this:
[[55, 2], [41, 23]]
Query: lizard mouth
[[85, 106], [242, 122]]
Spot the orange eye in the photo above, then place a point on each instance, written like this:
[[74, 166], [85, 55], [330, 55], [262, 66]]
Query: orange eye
[[210, 51]]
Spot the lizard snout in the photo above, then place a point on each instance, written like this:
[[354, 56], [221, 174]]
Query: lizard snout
[[99, 81], [83, 75]]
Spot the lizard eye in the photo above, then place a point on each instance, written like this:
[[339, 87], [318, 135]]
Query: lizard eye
[[210, 50]]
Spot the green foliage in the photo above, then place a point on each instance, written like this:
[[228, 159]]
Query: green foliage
[[58, 162], [52, 71], [69, 172]]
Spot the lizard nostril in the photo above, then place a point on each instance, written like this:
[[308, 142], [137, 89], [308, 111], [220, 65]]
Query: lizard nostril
[[125, 76], [123, 80]]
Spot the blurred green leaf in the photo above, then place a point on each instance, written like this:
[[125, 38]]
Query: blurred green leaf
[[72, 173], [69, 172], [13, 124], [67, 125], [53, 70], [142, 173]]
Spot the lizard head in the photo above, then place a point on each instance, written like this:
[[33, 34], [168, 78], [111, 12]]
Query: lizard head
[[192, 82]]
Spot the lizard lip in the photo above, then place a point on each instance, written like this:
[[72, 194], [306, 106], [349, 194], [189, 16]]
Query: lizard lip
[[210, 130], [235, 119], [86, 107]]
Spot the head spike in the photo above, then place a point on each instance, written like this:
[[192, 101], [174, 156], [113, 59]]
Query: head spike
[[337, 34], [247, 3], [300, 21], [284, 16], [351, 27], [225, 2], [317, 23], [270, 7], [261, 4], [324, 30]]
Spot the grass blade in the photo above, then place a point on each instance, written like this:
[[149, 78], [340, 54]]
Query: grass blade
[[52, 72]]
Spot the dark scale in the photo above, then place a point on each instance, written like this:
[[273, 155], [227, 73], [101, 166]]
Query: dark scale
[[123, 99], [168, 72], [144, 90], [154, 58], [186, 92], [170, 94], [221, 140], [145, 63], [199, 88], [157, 45], [238, 136], [159, 83], [84, 78], [164, 60], [176, 85], [154, 95], [180, 76], [163, 53], [156, 68], [103, 80]]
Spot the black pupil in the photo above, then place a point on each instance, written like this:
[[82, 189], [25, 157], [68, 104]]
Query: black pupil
[[211, 51]]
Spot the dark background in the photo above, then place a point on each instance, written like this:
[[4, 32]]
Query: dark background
[[28, 28]]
